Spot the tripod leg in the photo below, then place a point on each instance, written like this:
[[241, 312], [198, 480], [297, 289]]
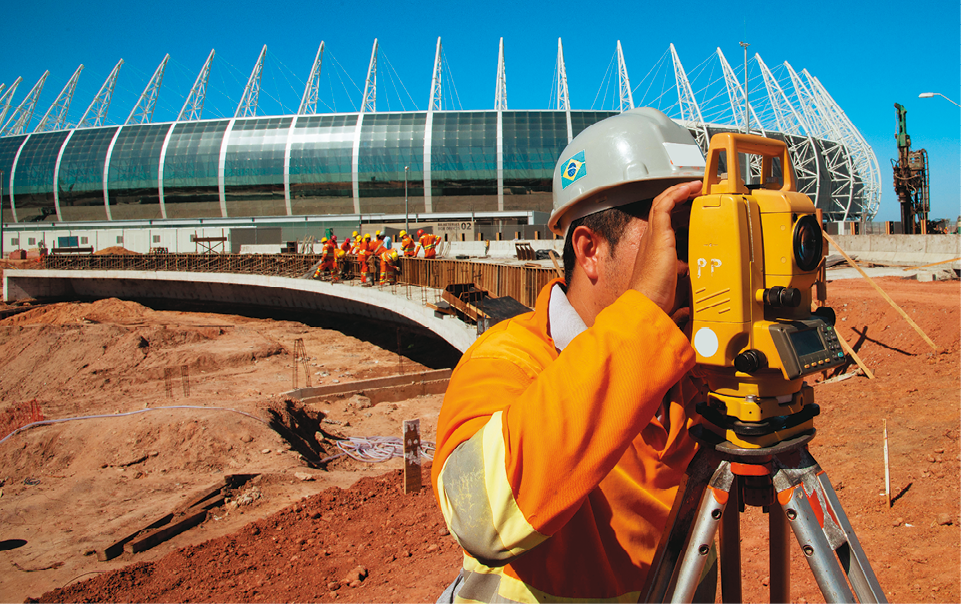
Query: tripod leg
[[821, 527], [685, 509], [730, 549], [780, 555], [706, 522], [851, 555]]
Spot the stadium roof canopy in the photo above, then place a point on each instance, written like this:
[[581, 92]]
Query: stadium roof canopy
[[434, 160]]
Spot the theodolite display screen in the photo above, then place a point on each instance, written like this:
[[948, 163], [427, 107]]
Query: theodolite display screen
[[806, 342], [806, 346]]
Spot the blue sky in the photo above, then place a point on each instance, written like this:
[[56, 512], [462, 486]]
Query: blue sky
[[868, 56]]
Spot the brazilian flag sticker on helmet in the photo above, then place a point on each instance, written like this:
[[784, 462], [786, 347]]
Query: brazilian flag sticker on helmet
[[574, 169]]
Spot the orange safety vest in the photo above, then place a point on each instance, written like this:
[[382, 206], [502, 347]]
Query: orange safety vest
[[388, 266], [327, 257], [407, 245], [576, 483]]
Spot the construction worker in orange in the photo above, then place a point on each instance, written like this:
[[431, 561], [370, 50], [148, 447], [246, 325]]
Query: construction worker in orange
[[347, 245], [360, 243], [377, 246], [341, 266], [327, 261], [363, 252], [407, 245], [429, 242], [388, 267], [563, 435]]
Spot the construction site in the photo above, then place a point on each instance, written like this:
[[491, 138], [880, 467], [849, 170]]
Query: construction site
[[182, 448]]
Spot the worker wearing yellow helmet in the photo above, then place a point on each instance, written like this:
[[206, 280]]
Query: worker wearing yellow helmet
[[341, 265], [407, 245], [328, 263], [388, 267]]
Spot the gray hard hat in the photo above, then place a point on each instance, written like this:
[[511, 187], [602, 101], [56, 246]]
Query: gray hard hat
[[626, 158]]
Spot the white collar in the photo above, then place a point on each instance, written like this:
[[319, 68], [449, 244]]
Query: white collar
[[565, 324]]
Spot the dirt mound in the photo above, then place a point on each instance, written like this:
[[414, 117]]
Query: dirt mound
[[116, 250], [85, 349], [369, 543], [108, 310]]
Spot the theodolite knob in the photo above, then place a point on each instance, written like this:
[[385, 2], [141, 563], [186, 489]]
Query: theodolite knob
[[748, 361], [782, 297]]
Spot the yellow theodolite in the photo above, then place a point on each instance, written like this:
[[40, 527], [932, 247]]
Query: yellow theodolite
[[754, 255]]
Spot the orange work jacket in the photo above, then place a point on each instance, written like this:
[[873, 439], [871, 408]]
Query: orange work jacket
[[407, 245], [551, 469]]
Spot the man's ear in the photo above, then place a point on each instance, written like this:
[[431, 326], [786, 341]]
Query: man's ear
[[587, 244]]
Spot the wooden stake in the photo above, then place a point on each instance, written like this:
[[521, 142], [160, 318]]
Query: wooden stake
[[847, 348], [883, 294], [821, 285], [887, 468], [412, 475], [932, 264], [557, 267]]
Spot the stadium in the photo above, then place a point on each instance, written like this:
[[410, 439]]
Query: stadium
[[466, 173]]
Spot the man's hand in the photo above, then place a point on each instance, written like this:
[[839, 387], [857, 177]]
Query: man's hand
[[655, 270]]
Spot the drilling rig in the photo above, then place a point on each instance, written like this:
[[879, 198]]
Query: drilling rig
[[910, 179]]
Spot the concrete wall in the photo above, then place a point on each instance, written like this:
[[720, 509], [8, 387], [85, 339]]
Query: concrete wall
[[902, 250], [254, 290], [139, 239]]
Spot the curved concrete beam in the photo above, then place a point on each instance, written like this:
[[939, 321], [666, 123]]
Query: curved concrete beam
[[257, 290]]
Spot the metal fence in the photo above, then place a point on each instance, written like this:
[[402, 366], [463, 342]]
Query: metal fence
[[519, 282]]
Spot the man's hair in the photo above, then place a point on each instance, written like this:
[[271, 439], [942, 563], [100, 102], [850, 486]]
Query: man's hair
[[609, 224]]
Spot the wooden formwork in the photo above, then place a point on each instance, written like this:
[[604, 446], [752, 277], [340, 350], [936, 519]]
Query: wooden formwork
[[519, 282], [285, 265]]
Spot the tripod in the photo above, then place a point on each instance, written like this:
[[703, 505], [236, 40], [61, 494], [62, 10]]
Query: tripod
[[723, 477]]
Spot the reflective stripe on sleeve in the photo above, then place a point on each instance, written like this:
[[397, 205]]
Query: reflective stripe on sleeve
[[486, 584], [477, 500]]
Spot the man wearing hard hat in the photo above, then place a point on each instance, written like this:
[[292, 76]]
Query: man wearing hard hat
[[327, 264], [563, 435], [407, 244]]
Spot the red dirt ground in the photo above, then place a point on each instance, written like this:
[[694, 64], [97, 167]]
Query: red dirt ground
[[68, 489]]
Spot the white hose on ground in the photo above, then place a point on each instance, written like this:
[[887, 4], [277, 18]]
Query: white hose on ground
[[377, 449], [144, 410], [367, 449]]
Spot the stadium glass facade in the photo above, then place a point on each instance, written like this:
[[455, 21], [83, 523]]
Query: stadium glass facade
[[331, 164], [456, 161]]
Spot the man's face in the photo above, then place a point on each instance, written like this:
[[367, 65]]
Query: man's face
[[619, 263]]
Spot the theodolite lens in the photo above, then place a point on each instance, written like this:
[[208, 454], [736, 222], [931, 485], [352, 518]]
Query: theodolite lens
[[808, 243]]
